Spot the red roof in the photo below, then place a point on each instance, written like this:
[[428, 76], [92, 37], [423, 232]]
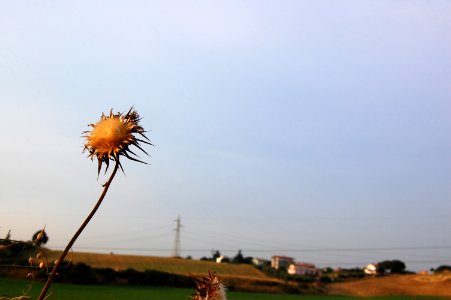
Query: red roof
[[282, 257]]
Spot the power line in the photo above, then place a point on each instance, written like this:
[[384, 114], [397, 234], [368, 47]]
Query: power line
[[269, 250], [331, 262]]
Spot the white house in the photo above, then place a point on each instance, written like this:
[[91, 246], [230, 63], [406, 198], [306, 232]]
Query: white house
[[280, 261], [260, 261], [370, 269], [302, 268]]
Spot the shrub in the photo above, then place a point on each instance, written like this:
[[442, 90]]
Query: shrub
[[443, 268], [80, 273]]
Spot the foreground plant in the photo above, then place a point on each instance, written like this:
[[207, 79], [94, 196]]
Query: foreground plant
[[109, 139], [209, 288], [37, 259]]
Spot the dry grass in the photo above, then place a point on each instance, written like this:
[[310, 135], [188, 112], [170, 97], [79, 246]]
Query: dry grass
[[412, 285], [164, 264]]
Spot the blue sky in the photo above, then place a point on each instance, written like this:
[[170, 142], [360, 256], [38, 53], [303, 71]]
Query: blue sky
[[315, 129]]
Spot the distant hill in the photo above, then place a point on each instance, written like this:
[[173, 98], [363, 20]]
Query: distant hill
[[164, 264], [409, 285], [241, 277]]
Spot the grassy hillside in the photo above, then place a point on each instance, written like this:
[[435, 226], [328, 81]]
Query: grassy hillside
[[164, 264], [236, 277]]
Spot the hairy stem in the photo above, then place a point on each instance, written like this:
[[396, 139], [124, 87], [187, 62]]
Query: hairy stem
[[74, 238]]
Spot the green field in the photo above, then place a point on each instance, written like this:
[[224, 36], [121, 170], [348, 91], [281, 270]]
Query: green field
[[14, 287]]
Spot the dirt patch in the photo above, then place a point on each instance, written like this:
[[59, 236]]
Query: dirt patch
[[409, 285]]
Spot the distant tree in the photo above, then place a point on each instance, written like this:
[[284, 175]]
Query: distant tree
[[248, 260], [8, 235], [394, 266], [328, 270], [225, 259], [398, 267], [380, 269], [442, 268], [346, 274], [40, 238], [239, 258]]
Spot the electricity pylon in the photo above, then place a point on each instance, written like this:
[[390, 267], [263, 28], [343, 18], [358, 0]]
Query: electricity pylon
[[177, 247]]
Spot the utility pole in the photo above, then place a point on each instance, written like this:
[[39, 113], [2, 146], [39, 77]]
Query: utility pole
[[176, 249]]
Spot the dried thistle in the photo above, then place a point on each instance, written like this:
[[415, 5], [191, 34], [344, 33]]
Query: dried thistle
[[112, 136], [209, 288], [109, 139]]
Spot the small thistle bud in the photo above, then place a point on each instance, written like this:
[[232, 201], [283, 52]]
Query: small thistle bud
[[55, 262], [39, 255], [42, 265], [30, 260], [29, 275], [40, 237]]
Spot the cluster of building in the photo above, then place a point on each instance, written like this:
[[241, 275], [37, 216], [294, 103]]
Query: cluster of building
[[293, 267], [303, 268], [288, 264]]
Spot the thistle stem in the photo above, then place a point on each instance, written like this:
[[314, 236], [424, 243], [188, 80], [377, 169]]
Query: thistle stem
[[74, 238]]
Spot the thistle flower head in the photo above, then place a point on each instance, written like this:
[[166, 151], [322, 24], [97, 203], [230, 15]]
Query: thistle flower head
[[112, 136], [209, 288]]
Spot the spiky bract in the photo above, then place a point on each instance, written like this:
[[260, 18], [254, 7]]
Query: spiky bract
[[209, 288], [112, 136]]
